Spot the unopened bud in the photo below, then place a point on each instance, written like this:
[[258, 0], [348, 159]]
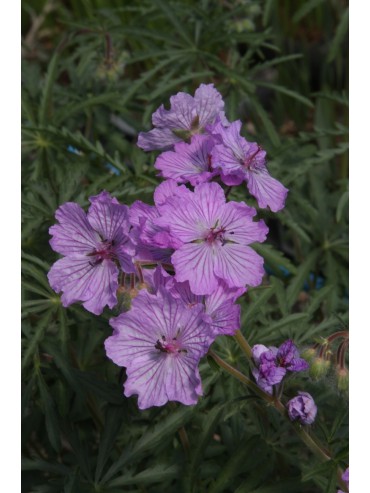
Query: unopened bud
[[319, 368], [343, 378], [133, 292], [308, 354], [143, 285]]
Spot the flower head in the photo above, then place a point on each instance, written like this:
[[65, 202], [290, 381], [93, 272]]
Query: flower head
[[186, 117], [240, 160], [94, 246], [302, 408], [272, 363], [214, 237], [160, 342]]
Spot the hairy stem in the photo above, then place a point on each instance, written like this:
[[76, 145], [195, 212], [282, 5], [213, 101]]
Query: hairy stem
[[243, 343]]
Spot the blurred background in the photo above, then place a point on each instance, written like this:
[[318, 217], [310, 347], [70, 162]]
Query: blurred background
[[93, 72]]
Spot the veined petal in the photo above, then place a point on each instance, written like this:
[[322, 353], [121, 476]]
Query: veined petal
[[157, 138], [208, 103], [268, 191], [195, 262], [239, 226], [81, 280], [108, 217], [180, 115], [189, 162], [73, 234], [239, 265], [160, 342]]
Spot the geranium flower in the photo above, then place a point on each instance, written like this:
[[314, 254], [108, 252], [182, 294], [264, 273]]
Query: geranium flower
[[160, 342], [240, 160], [272, 363], [186, 117], [94, 246], [214, 238]]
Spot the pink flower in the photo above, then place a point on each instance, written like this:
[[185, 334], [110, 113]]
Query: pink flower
[[214, 237], [93, 245], [187, 116], [240, 160], [160, 342]]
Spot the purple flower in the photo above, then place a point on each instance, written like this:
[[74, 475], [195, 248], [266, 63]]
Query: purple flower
[[267, 373], [272, 363], [154, 243], [189, 162], [302, 408], [220, 310], [160, 342], [345, 478], [187, 116], [288, 357], [94, 246], [214, 238], [240, 160]]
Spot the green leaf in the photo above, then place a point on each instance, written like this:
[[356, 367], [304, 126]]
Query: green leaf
[[47, 90], [43, 465], [343, 201], [303, 271], [286, 486], [340, 33], [305, 9], [51, 418], [63, 364], [232, 467], [179, 27], [37, 335], [112, 425], [274, 258], [287, 92], [254, 307], [318, 298], [210, 422], [267, 125], [152, 439], [156, 474]]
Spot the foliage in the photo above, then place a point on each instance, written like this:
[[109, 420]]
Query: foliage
[[92, 74]]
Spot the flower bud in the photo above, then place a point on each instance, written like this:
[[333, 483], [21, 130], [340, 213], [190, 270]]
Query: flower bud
[[308, 354], [343, 378], [302, 408], [319, 368]]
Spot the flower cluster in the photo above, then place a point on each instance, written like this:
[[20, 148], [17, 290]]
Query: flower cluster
[[191, 252]]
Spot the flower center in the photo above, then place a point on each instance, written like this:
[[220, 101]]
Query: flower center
[[172, 346], [248, 161], [215, 235], [104, 251]]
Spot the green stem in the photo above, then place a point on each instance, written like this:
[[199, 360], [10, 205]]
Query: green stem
[[241, 377], [243, 343], [312, 444]]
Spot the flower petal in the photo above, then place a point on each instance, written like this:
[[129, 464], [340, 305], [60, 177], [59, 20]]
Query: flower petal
[[81, 280], [268, 191], [73, 234], [239, 265], [195, 262]]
